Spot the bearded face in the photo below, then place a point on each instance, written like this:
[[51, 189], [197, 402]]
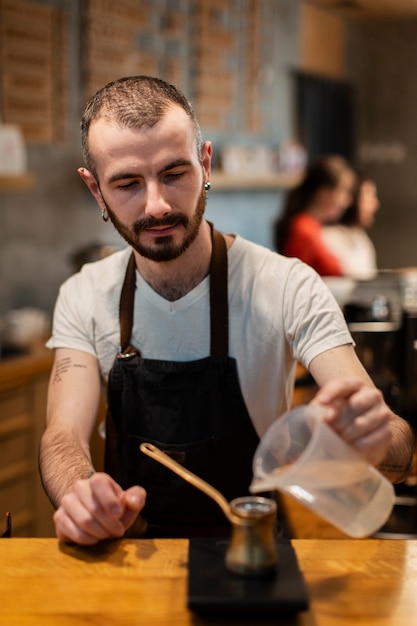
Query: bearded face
[[163, 248]]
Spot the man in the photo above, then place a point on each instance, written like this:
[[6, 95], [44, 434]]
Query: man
[[208, 328]]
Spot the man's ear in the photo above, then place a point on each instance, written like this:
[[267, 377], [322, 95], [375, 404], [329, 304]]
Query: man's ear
[[206, 153], [92, 184]]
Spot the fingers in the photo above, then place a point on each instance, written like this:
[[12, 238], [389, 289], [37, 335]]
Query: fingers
[[90, 512], [348, 399], [134, 500], [359, 414], [336, 393], [96, 509], [68, 528], [374, 444]]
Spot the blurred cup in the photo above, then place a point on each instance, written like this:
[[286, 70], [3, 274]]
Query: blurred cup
[[408, 283], [302, 456], [26, 324]]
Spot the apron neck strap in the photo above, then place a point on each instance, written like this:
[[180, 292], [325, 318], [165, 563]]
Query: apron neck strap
[[219, 306], [219, 309], [127, 307]]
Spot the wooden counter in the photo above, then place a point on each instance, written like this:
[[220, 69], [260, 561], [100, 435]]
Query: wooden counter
[[130, 582]]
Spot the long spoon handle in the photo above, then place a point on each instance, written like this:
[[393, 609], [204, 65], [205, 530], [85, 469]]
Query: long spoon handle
[[157, 454]]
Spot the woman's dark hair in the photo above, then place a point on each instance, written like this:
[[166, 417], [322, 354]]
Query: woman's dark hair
[[351, 216], [321, 173]]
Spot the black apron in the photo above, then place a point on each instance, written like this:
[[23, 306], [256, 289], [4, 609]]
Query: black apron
[[193, 410]]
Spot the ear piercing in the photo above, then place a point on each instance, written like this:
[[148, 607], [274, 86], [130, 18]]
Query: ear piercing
[[207, 185], [104, 215]]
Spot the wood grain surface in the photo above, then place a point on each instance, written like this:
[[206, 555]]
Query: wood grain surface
[[42, 581]]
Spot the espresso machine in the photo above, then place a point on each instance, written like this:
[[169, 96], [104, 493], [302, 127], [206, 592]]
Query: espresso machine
[[408, 346], [375, 319], [382, 318]]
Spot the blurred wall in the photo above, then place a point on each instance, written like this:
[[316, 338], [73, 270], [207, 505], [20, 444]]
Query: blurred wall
[[322, 42], [40, 228], [382, 66]]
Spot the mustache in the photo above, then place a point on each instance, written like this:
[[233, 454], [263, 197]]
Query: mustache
[[152, 222]]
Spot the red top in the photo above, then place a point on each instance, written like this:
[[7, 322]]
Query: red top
[[305, 242]]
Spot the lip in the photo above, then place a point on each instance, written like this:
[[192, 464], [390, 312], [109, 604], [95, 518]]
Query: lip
[[161, 230]]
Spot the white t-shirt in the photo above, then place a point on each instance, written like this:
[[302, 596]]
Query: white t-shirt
[[280, 312], [354, 249]]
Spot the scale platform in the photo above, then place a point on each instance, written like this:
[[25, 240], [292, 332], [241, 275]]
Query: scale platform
[[213, 589]]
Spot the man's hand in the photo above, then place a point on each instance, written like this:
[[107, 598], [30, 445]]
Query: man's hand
[[359, 414], [97, 508]]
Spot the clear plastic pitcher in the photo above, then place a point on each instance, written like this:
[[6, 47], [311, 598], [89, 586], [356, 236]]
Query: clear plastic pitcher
[[302, 456]]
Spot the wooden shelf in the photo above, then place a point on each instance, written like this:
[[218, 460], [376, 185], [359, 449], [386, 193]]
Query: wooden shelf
[[16, 183], [23, 391], [19, 370], [222, 181]]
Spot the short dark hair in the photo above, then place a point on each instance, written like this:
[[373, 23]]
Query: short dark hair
[[134, 102]]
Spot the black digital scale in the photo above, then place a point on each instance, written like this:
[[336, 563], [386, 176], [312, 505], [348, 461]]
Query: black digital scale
[[213, 589]]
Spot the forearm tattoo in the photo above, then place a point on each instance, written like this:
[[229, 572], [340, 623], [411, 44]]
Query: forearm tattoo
[[396, 472], [62, 367]]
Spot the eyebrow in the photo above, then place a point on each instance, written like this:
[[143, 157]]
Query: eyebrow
[[128, 175]]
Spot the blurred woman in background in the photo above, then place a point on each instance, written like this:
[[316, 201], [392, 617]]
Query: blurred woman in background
[[321, 198], [349, 241]]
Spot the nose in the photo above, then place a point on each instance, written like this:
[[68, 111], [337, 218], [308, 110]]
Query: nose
[[156, 204]]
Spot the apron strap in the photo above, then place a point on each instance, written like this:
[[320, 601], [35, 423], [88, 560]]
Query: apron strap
[[219, 309], [127, 307], [219, 306]]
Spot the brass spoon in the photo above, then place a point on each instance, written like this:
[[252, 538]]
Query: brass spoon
[[157, 454]]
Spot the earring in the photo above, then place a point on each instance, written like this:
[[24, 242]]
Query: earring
[[104, 215], [207, 185]]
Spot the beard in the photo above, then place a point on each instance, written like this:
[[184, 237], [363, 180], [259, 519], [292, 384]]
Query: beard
[[163, 249]]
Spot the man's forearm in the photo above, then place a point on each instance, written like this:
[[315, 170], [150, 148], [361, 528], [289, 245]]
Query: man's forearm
[[398, 462], [62, 461]]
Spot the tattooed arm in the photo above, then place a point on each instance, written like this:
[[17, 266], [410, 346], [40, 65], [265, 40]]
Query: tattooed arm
[[73, 401], [90, 506]]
